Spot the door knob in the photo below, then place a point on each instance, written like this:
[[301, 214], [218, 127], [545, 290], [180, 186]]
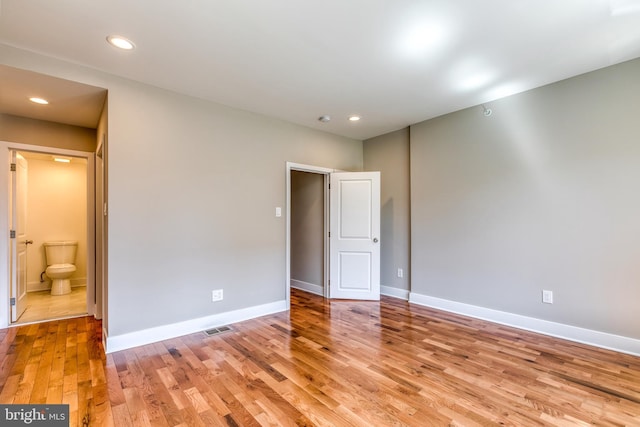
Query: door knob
[[375, 240], [28, 242]]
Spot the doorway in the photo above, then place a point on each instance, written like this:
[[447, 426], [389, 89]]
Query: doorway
[[60, 198], [307, 231], [55, 204], [307, 214], [349, 205]]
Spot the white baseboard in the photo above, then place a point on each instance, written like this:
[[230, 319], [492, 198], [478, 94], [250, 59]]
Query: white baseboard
[[319, 290], [165, 332], [394, 292], [39, 286], [306, 286], [559, 330], [46, 285]]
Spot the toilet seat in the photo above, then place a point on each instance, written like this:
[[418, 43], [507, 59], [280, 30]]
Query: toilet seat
[[60, 269]]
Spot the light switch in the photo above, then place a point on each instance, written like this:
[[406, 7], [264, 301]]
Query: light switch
[[278, 211]]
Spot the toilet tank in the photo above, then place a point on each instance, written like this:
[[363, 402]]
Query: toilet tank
[[62, 252]]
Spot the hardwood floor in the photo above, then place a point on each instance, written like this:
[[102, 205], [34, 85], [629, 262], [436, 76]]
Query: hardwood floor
[[325, 363], [41, 305], [55, 362]]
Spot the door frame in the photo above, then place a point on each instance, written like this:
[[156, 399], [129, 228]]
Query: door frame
[[290, 166], [5, 286]]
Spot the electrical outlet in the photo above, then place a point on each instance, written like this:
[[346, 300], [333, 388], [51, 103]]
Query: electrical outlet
[[400, 273], [216, 295], [547, 297]]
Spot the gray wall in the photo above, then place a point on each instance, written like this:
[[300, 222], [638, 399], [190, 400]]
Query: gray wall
[[48, 134], [192, 191], [543, 194], [389, 154], [307, 227]]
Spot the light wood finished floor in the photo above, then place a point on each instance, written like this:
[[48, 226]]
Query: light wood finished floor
[[41, 305], [60, 361], [327, 364]]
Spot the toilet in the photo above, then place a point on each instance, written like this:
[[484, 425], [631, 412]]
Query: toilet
[[61, 257]]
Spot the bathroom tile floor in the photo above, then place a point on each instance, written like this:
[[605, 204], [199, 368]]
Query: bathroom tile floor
[[41, 305]]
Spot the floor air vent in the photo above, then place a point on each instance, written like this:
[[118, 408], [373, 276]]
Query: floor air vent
[[218, 330]]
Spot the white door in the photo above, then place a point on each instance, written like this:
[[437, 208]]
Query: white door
[[354, 246], [18, 223]]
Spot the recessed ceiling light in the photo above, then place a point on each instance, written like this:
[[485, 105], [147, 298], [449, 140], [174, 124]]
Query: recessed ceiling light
[[120, 42], [324, 119], [354, 118], [37, 100]]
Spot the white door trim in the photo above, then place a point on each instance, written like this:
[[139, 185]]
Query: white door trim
[[5, 146], [313, 169]]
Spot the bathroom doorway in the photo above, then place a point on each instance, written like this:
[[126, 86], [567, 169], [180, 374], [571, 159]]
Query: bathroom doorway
[[54, 203]]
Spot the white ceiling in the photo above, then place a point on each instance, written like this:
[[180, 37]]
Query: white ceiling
[[393, 62]]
